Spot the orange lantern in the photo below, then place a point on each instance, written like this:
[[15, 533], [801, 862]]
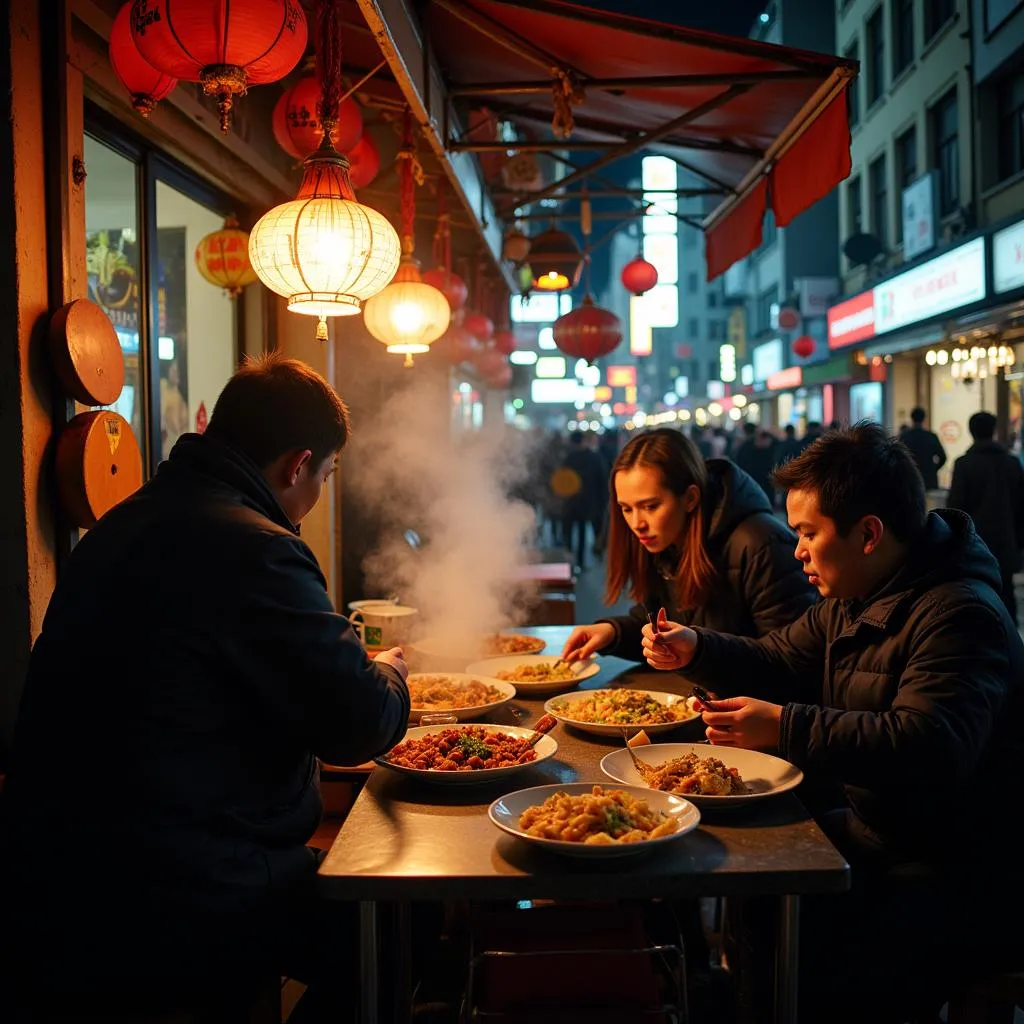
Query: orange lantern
[[146, 86], [363, 162], [297, 126], [451, 285], [223, 258], [224, 46]]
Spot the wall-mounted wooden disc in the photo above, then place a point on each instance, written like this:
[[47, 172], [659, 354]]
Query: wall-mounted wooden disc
[[98, 465], [86, 354]]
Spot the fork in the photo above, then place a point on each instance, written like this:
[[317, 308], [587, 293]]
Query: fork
[[644, 770]]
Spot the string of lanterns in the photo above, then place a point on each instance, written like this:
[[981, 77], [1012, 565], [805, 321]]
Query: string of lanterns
[[975, 363]]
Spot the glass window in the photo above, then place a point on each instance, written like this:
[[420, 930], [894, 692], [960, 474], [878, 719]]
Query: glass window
[[765, 301], [693, 326], [879, 202], [853, 207], [1011, 127], [902, 35], [936, 14], [692, 283], [875, 41], [853, 90], [946, 156], [906, 171]]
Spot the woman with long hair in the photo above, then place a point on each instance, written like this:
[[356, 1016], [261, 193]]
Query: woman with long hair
[[696, 538]]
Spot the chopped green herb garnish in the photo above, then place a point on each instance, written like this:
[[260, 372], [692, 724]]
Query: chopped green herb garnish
[[472, 747], [617, 820]]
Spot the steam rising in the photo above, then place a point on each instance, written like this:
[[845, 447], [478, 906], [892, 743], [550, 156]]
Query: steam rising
[[407, 471]]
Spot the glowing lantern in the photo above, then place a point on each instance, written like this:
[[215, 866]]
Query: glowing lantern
[[225, 47], [587, 331], [804, 346], [145, 84], [555, 260], [451, 285], [505, 341], [223, 258], [364, 162], [297, 126], [480, 326], [639, 276]]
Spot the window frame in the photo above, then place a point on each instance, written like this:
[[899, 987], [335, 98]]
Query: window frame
[[874, 46], [934, 18], [902, 50], [852, 52], [879, 210], [1010, 165], [902, 178], [948, 186]]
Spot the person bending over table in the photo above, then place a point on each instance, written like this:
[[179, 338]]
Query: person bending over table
[[190, 671], [904, 687]]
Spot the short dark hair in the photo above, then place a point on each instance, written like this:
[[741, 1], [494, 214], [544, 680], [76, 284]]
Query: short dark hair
[[790, 430], [982, 426], [273, 405], [860, 471], [917, 415]]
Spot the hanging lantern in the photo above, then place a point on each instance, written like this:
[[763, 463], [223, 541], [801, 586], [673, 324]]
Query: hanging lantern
[[450, 285], [480, 326], [587, 331], [500, 377], [223, 258], [408, 315], [459, 345], [488, 361], [144, 83], [225, 47], [804, 346], [364, 162], [297, 126], [505, 341], [639, 276], [516, 246], [556, 261]]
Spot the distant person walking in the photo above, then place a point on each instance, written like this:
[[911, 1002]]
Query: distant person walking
[[584, 486], [811, 434], [788, 446], [925, 447], [988, 484], [756, 457]]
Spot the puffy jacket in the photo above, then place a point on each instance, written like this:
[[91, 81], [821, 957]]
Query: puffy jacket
[[191, 669], [912, 700], [759, 585]]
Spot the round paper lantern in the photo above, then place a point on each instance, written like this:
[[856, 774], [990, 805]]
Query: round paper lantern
[[789, 318], [500, 378], [516, 246], [480, 326], [364, 162], [587, 331], [804, 346], [459, 345], [555, 261], [225, 47], [639, 276], [144, 83], [451, 285], [408, 315], [489, 361], [223, 258], [323, 251], [297, 127], [505, 341]]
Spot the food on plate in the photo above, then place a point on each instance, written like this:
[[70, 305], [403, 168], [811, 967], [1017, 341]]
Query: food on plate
[[511, 643], [602, 816], [472, 748], [542, 672], [622, 707], [443, 693], [701, 776], [640, 739]]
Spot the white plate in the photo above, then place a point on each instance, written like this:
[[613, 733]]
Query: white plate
[[492, 666], [444, 654], [565, 715], [463, 714], [545, 748], [505, 812], [764, 774]]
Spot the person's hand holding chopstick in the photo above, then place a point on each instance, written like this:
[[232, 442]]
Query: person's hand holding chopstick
[[668, 646]]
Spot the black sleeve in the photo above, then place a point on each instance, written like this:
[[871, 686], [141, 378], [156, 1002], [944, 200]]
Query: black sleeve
[[774, 586], [628, 634], [957, 497], [940, 452]]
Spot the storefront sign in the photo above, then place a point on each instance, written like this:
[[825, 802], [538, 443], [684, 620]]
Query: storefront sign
[[850, 321], [791, 377], [1008, 257], [815, 294], [767, 359], [621, 376], [919, 216]]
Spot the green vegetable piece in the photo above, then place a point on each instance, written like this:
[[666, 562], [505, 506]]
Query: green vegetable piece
[[472, 747]]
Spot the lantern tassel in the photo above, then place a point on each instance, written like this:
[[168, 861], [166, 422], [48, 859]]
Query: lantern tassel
[[408, 359], [321, 329]]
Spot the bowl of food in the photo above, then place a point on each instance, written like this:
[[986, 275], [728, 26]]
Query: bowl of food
[[609, 712], [457, 693], [580, 819], [535, 675], [453, 653]]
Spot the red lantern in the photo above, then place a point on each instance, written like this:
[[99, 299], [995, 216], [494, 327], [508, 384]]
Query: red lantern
[[500, 377], [450, 285], [480, 326], [587, 331], [226, 47], [458, 345], [804, 346], [489, 362], [363, 162], [505, 341], [639, 276], [789, 318], [146, 86], [297, 125]]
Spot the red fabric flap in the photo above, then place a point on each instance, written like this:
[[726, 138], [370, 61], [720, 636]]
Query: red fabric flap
[[738, 233], [814, 164]]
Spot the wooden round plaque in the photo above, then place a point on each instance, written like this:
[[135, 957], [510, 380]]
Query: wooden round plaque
[[98, 465], [86, 353]]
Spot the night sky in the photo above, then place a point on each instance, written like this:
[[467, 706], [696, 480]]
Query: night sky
[[731, 17]]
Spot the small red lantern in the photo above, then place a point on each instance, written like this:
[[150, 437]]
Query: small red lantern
[[587, 331], [222, 257], [639, 276], [363, 162], [297, 126], [505, 341], [480, 326], [459, 345], [450, 285], [500, 377], [146, 86], [489, 362], [789, 318], [804, 346], [226, 47]]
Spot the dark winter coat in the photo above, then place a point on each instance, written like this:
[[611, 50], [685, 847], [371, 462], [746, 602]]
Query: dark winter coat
[[988, 484], [190, 670], [928, 453], [760, 585], [912, 700]]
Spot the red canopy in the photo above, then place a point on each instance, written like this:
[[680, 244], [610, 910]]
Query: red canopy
[[740, 115]]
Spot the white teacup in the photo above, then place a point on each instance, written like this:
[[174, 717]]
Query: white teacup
[[371, 603], [383, 624]]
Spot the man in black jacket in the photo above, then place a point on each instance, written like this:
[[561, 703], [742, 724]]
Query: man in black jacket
[[190, 671], [904, 687], [925, 447]]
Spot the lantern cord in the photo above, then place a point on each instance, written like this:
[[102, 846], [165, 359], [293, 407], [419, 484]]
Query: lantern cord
[[407, 184], [443, 234], [328, 62]]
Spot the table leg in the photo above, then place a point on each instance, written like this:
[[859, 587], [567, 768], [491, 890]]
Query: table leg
[[787, 960], [368, 962]]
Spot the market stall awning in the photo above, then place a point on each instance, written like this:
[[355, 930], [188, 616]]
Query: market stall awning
[[761, 125]]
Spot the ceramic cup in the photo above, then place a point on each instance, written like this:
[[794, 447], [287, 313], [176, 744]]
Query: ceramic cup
[[385, 625]]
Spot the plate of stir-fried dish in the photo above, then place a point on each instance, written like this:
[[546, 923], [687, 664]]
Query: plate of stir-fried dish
[[535, 675], [455, 693], [608, 712]]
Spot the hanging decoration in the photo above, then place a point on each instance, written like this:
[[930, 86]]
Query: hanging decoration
[[555, 260], [804, 346], [408, 315], [588, 331], [364, 162], [144, 83], [453, 287], [323, 251], [459, 345], [296, 121], [639, 276], [480, 326], [226, 47], [505, 341], [515, 247], [223, 258]]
